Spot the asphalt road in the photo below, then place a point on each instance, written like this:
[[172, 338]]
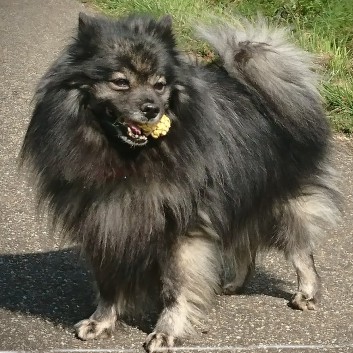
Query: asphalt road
[[44, 290]]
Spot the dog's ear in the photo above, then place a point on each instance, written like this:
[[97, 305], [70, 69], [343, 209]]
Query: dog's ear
[[165, 22], [88, 30], [87, 33], [87, 26], [164, 25], [83, 21]]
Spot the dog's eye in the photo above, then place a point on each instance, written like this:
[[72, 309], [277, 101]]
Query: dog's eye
[[120, 84], [159, 86]]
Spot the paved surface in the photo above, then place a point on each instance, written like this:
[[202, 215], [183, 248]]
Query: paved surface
[[44, 290]]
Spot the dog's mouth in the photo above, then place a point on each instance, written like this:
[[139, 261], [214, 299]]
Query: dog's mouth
[[134, 133], [123, 129], [131, 133]]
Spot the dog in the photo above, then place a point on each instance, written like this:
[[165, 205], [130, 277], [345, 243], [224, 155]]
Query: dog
[[243, 165]]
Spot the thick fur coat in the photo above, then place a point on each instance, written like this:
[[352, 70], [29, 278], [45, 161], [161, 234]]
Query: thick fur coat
[[244, 166]]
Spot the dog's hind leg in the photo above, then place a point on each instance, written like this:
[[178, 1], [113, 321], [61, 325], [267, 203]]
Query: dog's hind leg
[[190, 278], [302, 220], [309, 283], [239, 268]]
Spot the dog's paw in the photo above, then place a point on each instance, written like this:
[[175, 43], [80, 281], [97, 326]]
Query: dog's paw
[[90, 329], [159, 342], [232, 289], [301, 301]]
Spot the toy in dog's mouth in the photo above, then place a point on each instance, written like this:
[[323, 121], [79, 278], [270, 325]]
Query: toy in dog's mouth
[[137, 134]]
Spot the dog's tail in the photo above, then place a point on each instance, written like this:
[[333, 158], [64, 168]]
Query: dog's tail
[[265, 60]]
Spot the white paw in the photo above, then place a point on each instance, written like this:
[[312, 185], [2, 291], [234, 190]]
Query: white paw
[[159, 342], [301, 301], [90, 329]]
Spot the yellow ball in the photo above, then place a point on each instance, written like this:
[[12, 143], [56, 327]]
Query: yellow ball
[[157, 130]]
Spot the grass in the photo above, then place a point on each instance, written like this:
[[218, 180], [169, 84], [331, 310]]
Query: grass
[[324, 27]]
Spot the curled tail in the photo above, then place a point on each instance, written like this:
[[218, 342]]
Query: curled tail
[[264, 59]]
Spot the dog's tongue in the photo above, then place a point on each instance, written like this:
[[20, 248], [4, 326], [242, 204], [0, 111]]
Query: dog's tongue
[[135, 129]]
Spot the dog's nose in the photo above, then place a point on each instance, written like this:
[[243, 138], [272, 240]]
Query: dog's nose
[[150, 110]]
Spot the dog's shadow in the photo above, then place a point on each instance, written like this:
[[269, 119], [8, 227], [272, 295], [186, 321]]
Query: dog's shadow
[[57, 287], [52, 285], [265, 283]]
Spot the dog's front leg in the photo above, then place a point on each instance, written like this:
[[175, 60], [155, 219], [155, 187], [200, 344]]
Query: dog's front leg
[[100, 324], [190, 279], [103, 321]]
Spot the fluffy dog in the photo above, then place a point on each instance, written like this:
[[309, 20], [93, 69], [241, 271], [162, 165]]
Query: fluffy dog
[[243, 167]]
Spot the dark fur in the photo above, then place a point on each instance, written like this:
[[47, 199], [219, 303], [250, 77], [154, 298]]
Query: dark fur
[[243, 167]]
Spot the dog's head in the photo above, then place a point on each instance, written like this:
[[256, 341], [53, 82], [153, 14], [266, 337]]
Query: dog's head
[[126, 68]]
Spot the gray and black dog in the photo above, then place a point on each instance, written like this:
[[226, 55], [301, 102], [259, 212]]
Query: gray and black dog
[[244, 166]]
